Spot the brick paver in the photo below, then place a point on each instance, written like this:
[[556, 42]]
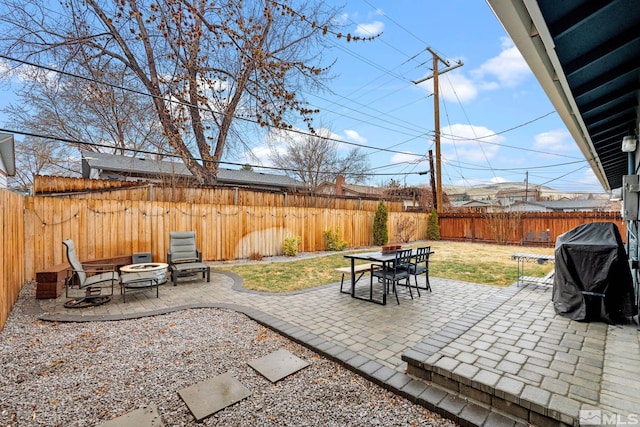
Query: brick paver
[[484, 339]]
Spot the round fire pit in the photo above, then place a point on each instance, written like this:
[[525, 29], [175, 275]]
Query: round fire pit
[[158, 268]]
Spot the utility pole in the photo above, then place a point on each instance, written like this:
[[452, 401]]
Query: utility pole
[[434, 194], [436, 112]]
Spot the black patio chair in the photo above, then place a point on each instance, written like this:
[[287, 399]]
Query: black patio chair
[[393, 273], [420, 265]]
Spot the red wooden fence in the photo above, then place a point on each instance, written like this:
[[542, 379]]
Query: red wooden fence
[[531, 228]]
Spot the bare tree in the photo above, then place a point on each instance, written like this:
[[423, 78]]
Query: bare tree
[[75, 109], [36, 156], [313, 159], [204, 64]]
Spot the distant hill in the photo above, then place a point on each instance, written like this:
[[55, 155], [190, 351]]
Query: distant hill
[[489, 191]]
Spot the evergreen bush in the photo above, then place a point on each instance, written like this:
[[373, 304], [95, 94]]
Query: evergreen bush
[[380, 232], [433, 228]]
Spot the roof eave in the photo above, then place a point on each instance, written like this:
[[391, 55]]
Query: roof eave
[[7, 151], [523, 21]]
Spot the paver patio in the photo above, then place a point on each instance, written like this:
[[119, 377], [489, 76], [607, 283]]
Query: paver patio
[[477, 354]]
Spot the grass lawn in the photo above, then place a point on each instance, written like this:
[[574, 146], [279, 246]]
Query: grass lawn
[[470, 262]]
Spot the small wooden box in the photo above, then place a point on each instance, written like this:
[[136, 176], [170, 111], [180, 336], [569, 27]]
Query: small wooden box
[[51, 281]]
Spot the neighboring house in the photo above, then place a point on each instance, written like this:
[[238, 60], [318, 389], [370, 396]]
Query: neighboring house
[[340, 188], [111, 166], [479, 206], [509, 197], [412, 197], [7, 158], [587, 205]]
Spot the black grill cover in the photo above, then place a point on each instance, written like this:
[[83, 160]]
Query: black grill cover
[[592, 276]]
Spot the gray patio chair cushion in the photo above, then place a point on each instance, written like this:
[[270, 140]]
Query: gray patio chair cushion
[[184, 257], [182, 246]]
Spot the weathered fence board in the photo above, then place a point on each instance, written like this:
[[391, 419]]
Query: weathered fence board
[[33, 229], [126, 191], [12, 259], [108, 228], [531, 228]]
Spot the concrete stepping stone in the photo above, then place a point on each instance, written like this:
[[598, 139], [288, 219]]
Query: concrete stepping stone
[[143, 417], [210, 396], [278, 365]]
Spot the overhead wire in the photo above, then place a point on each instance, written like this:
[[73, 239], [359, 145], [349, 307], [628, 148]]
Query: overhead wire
[[175, 156], [486, 136], [419, 156], [171, 100], [401, 77]]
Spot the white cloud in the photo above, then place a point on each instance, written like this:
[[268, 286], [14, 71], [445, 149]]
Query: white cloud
[[341, 19], [4, 66], [278, 139], [508, 69], [259, 155], [408, 158], [589, 181], [354, 136], [454, 87], [468, 143], [553, 141], [470, 182], [370, 29]]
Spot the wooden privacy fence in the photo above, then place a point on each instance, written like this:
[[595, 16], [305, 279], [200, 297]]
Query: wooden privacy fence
[[33, 229], [12, 258], [100, 189], [109, 228], [531, 228]]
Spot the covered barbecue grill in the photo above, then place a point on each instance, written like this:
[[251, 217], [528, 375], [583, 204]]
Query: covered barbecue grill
[[592, 278]]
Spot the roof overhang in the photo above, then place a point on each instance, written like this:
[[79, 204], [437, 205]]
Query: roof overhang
[[586, 56]]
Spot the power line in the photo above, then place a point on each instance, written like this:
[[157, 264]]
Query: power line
[[400, 26], [451, 136], [524, 168], [92, 80], [175, 156]]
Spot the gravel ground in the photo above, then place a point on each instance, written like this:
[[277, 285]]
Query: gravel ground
[[83, 374]]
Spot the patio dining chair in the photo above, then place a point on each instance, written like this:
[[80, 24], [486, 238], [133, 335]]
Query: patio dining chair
[[184, 258], [393, 273], [89, 276], [420, 265]]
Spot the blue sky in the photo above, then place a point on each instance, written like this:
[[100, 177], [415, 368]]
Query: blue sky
[[496, 122], [493, 95]]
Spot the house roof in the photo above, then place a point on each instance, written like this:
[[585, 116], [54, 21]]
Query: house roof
[[585, 54], [7, 152], [561, 205], [364, 190], [517, 193], [476, 203], [351, 189], [134, 165]]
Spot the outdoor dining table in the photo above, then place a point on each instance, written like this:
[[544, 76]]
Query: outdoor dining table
[[378, 257]]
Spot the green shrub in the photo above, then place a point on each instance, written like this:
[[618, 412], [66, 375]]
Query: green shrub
[[380, 232], [333, 241], [291, 245], [433, 228]]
